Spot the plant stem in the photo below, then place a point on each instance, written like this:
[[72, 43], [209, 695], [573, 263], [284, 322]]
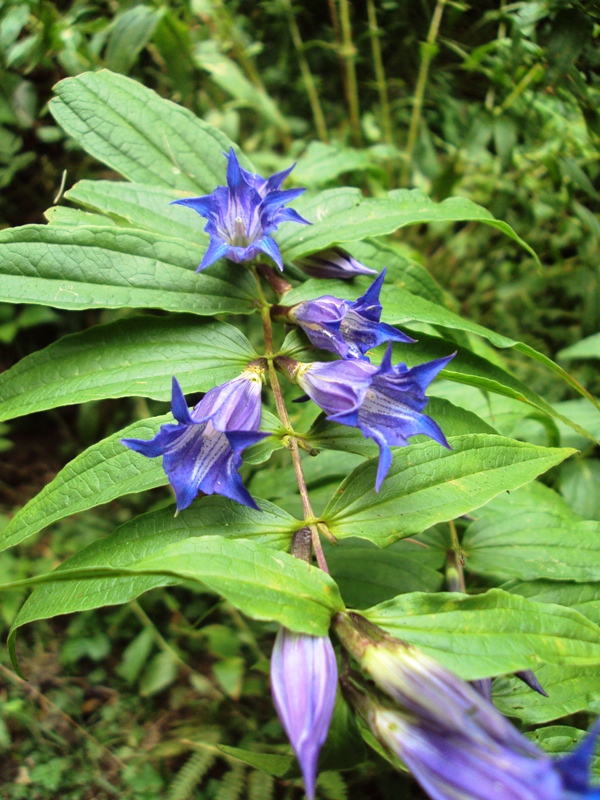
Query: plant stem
[[348, 53], [428, 51], [309, 514], [384, 102], [454, 563], [309, 83]]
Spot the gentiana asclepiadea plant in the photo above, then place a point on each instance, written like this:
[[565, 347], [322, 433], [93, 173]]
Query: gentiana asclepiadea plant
[[373, 403]]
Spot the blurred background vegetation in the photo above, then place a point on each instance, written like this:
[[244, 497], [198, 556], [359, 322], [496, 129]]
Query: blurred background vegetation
[[495, 101]]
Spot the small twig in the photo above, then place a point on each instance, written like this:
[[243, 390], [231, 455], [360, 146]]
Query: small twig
[[454, 563]]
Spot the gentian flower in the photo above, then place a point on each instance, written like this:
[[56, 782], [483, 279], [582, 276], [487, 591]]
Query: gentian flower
[[348, 329], [384, 402], [303, 683], [334, 262], [202, 450], [242, 214], [456, 744]]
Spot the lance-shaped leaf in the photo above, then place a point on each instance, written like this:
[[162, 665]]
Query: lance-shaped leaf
[[101, 473], [428, 484], [262, 583], [110, 267], [490, 634], [139, 134], [136, 356], [379, 216], [583, 597], [146, 207], [530, 542], [143, 537]]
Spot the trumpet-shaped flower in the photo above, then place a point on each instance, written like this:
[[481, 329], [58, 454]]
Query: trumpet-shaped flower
[[303, 683], [202, 450], [385, 402], [334, 262], [242, 215], [348, 329], [456, 743]]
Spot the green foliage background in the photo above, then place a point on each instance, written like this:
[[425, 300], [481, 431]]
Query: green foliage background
[[137, 700]]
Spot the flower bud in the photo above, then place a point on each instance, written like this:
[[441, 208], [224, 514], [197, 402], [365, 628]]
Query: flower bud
[[303, 683], [335, 262]]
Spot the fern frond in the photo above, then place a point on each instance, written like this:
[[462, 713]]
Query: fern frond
[[190, 775], [332, 786], [233, 783], [260, 785]]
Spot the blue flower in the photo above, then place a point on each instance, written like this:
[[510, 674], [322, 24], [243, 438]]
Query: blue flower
[[348, 329], [385, 402], [202, 450], [455, 742], [575, 769], [334, 262], [304, 683], [242, 214]]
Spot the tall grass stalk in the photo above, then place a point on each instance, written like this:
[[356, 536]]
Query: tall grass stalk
[[428, 52], [348, 53], [384, 103], [307, 77]]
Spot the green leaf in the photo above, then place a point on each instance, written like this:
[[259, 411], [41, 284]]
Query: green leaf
[[131, 32], [452, 419], [101, 473], [146, 207], [135, 356], [139, 134], [104, 471], [323, 162], [63, 215], [380, 216], [530, 535], [490, 634], [401, 271], [428, 484], [583, 597], [271, 763], [108, 267], [579, 484], [367, 575], [261, 583], [560, 740], [226, 74], [467, 367], [143, 537], [570, 689], [585, 349]]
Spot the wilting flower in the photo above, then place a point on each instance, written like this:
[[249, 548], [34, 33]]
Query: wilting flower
[[384, 402], [242, 214], [303, 683], [202, 450], [348, 329], [334, 262]]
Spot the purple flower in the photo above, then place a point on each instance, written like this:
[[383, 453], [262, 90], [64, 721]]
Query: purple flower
[[334, 262], [202, 450], [303, 683], [348, 329], [384, 402], [449, 765], [242, 214]]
